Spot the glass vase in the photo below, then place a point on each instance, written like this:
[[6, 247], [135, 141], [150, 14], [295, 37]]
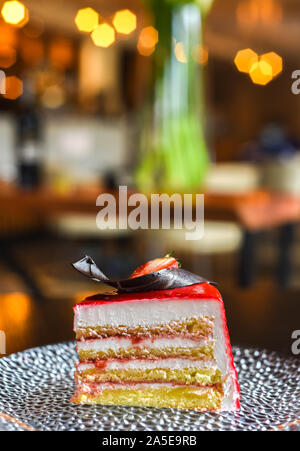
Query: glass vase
[[174, 154]]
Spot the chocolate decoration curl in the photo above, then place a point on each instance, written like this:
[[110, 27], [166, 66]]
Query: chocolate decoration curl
[[165, 279]]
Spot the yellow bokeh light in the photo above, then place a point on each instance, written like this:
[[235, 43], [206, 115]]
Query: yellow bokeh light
[[261, 73], [14, 12], [24, 21], [86, 19], [275, 62], [14, 88], [103, 35], [245, 59], [179, 52], [124, 21]]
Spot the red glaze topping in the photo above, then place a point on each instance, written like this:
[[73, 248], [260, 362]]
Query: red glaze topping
[[197, 291]]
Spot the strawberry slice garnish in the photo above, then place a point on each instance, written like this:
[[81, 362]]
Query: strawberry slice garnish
[[155, 265]]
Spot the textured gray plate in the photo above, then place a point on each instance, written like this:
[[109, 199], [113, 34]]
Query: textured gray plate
[[36, 385]]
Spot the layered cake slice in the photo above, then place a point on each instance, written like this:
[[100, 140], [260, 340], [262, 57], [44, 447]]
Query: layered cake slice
[[161, 348]]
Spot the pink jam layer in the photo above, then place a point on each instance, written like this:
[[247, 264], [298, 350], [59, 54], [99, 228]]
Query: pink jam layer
[[135, 340], [101, 364]]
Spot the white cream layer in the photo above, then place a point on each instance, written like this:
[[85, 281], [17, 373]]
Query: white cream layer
[[143, 313], [146, 364], [121, 343]]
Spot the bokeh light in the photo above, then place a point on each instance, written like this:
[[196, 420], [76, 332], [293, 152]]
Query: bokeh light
[[145, 51], [23, 22], [250, 13], [261, 73], [275, 62], [103, 35], [53, 97], [247, 12], [179, 52], [147, 41], [17, 307], [7, 56], [270, 12], [86, 19], [8, 34], [200, 54], [124, 21], [148, 37], [14, 12], [245, 59], [14, 87], [61, 53]]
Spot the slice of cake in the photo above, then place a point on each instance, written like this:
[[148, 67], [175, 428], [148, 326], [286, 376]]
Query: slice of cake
[[162, 348]]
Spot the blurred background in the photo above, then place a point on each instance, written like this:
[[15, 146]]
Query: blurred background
[[162, 95]]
